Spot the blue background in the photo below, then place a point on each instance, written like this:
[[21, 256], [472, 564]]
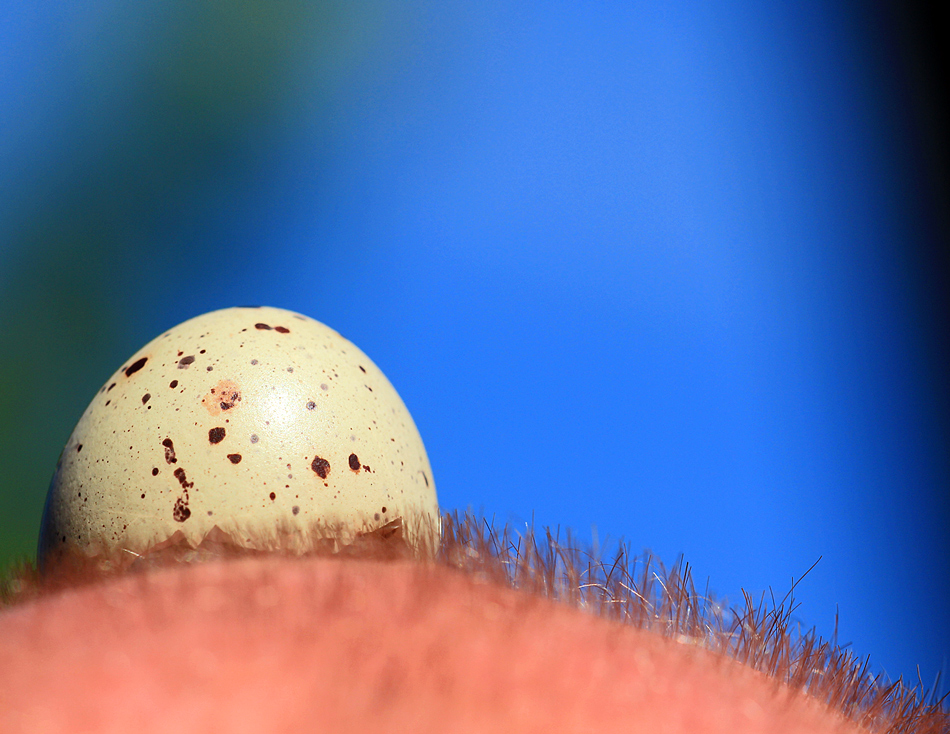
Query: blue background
[[674, 275]]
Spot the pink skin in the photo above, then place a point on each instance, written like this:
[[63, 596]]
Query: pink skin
[[278, 645]]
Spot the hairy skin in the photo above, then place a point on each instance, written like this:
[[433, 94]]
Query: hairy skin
[[333, 644]]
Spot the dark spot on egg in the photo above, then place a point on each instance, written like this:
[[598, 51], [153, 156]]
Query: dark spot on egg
[[282, 329], [384, 510], [235, 458], [273, 496], [311, 405], [262, 327], [136, 366], [254, 438], [253, 361], [145, 398], [354, 462], [180, 511], [376, 516], [223, 396], [169, 451], [185, 361], [78, 447], [363, 368], [110, 387], [155, 471], [290, 369], [182, 479], [216, 435], [173, 384], [228, 400], [426, 478], [295, 509], [320, 466]]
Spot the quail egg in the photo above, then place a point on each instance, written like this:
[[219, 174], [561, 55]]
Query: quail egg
[[259, 425]]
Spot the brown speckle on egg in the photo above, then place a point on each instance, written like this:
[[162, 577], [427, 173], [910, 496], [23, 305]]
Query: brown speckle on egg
[[225, 395], [320, 466], [180, 510], [169, 451], [136, 366], [182, 479]]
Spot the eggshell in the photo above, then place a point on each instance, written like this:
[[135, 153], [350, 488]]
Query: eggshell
[[258, 422]]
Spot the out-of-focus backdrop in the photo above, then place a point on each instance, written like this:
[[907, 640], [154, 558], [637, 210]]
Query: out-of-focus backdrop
[[673, 271]]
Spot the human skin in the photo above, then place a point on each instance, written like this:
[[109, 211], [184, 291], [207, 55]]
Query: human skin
[[327, 644]]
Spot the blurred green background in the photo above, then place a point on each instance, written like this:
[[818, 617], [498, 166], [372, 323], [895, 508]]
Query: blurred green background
[[156, 122]]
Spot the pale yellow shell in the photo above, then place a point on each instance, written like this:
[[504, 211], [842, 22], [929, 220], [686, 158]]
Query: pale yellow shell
[[260, 422]]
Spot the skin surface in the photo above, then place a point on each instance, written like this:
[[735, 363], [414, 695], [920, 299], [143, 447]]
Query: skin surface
[[328, 644]]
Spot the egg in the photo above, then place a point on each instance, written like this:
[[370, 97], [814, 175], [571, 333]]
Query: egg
[[256, 425]]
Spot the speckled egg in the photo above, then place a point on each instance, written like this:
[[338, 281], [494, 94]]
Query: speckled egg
[[258, 423]]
